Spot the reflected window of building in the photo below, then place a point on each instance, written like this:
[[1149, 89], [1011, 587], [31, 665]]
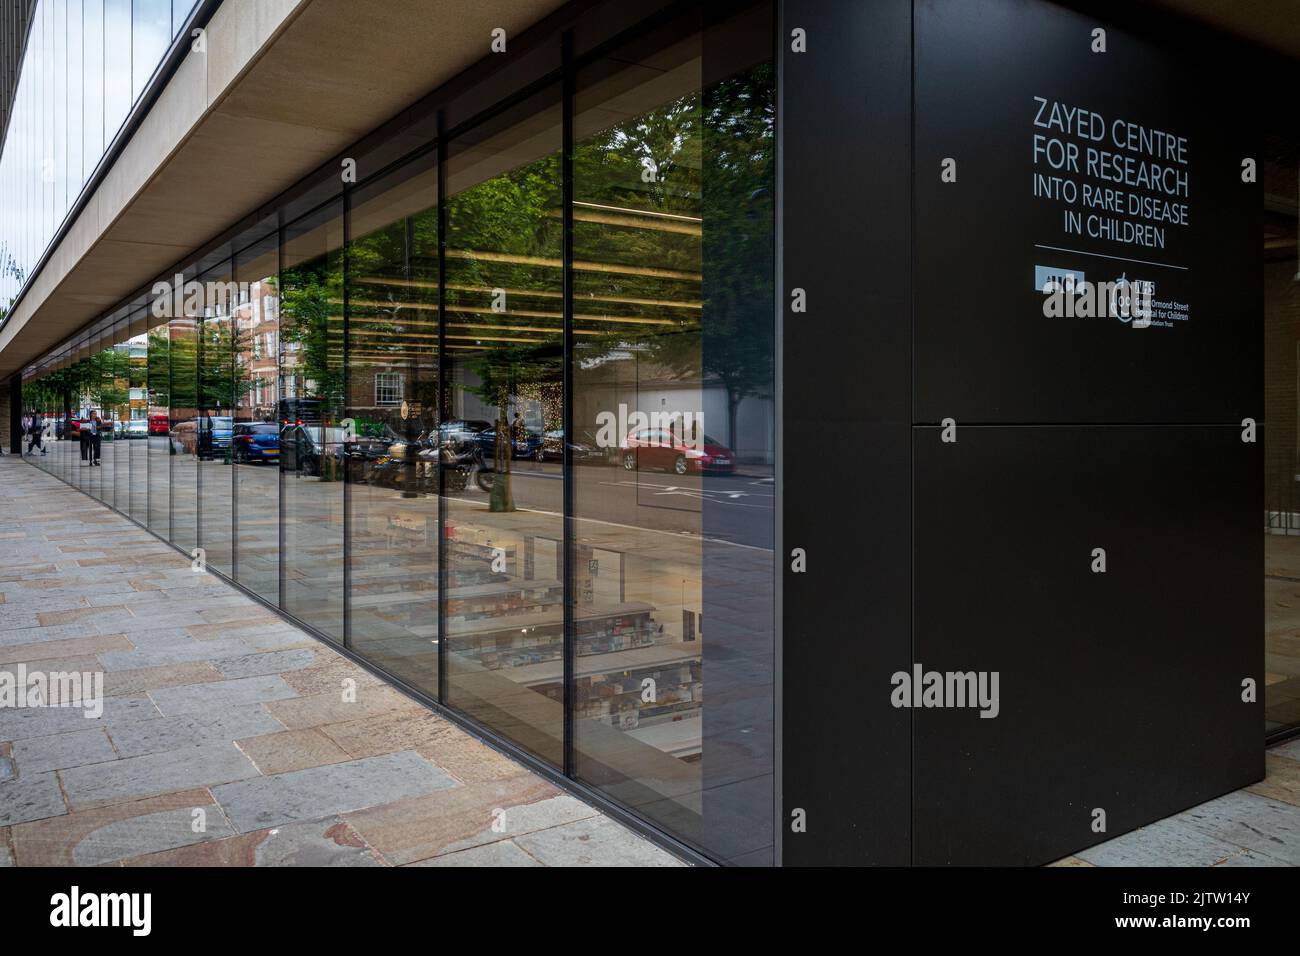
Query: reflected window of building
[[312, 437]]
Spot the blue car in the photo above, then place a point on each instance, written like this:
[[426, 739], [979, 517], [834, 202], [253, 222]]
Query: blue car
[[256, 442]]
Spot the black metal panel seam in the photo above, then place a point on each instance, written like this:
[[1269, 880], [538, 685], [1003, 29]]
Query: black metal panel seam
[[568, 93], [200, 399], [911, 461], [440, 415], [347, 393], [778, 339], [234, 405], [279, 411], [171, 458]]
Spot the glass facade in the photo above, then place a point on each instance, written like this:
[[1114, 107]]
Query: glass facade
[[86, 63], [498, 419]]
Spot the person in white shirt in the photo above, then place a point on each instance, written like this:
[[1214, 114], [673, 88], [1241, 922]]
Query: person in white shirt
[[95, 426]]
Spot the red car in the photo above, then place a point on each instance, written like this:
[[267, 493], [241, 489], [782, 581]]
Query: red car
[[655, 448], [159, 425]]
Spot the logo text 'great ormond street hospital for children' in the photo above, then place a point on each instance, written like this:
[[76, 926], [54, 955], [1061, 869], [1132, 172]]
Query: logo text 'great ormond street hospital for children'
[[1067, 294]]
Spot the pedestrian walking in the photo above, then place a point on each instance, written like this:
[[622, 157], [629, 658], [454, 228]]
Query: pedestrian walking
[[96, 436], [35, 433]]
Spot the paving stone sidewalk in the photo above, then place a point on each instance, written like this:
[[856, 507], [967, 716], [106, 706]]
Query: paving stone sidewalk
[[224, 737]]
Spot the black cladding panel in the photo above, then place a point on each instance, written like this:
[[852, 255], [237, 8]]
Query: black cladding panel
[[846, 428], [992, 74], [1118, 690]]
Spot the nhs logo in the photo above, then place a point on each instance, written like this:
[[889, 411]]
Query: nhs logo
[[1050, 279]]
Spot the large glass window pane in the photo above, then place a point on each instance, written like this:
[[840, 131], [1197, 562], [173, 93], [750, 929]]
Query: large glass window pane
[[393, 402], [215, 422], [116, 455], [61, 114], [183, 349], [115, 437], [40, 397], [137, 431], [673, 444], [84, 376], [92, 100], [117, 66], [158, 375], [52, 116], [504, 281], [312, 435], [101, 416], [151, 35], [76, 116], [256, 440], [181, 10]]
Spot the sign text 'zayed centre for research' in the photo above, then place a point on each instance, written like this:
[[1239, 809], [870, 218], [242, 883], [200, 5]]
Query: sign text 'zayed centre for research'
[[1120, 181]]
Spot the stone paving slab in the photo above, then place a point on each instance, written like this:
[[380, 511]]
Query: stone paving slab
[[36, 754], [595, 841], [188, 730], [120, 830], [306, 794], [501, 853], [216, 706], [144, 679], [188, 651], [465, 817], [329, 842], [267, 662], [30, 797], [219, 695], [288, 750], [21, 723], [132, 778]]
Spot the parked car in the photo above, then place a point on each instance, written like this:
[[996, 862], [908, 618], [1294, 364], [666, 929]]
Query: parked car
[[304, 447], [655, 448], [256, 442], [484, 434], [585, 449], [222, 430], [188, 436], [159, 425], [137, 428]]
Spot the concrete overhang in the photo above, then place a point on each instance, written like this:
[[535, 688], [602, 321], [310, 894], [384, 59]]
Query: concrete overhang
[[283, 86]]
